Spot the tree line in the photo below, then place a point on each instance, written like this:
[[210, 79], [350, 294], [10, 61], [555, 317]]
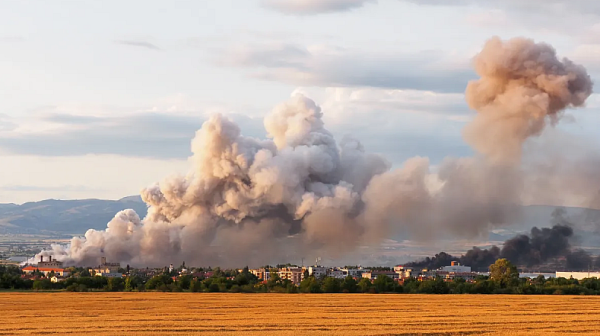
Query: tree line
[[503, 279]]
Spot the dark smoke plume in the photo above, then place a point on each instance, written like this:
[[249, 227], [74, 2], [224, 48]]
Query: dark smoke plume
[[540, 246]]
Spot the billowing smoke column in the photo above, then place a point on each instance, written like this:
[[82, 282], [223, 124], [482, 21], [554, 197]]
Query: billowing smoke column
[[540, 246], [523, 86], [299, 193]]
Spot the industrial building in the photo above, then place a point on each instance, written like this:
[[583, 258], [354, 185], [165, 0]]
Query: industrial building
[[47, 267], [105, 269]]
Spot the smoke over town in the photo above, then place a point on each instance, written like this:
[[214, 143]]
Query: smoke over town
[[534, 249], [301, 193]]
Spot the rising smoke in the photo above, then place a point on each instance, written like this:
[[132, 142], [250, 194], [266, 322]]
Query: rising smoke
[[528, 251], [299, 193]]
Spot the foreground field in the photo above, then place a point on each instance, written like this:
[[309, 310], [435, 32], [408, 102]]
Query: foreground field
[[288, 314]]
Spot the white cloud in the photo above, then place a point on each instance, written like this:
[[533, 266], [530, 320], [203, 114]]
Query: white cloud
[[89, 176], [159, 132], [311, 7], [318, 65]]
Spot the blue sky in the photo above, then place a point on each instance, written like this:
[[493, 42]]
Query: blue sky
[[101, 98]]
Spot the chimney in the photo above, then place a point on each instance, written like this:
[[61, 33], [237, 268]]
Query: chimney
[[41, 258], [50, 258]]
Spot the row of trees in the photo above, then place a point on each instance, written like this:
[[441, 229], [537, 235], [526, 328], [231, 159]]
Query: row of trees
[[503, 279]]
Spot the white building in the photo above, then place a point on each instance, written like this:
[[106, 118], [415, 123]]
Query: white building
[[354, 272], [336, 273], [317, 271], [405, 272], [577, 275], [456, 267]]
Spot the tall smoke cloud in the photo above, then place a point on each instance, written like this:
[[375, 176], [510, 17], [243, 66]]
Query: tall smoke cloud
[[299, 192], [523, 87]]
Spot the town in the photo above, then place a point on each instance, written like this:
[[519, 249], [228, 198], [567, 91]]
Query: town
[[50, 274]]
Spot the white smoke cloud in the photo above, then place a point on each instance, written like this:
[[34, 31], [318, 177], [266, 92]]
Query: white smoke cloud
[[299, 193]]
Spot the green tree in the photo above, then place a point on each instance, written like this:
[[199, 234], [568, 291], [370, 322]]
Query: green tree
[[331, 285], [365, 285], [214, 288], [184, 282], [349, 285], [310, 285], [274, 279], [114, 284], [504, 273], [159, 281], [383, 284], [42, 284], [128, 285]]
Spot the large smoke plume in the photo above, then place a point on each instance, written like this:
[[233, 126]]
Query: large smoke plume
[[528, 251], [300, 193]]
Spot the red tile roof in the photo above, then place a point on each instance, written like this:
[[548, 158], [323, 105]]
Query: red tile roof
[[43, 269]]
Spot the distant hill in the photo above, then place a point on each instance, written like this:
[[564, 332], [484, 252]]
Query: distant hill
[[64, 216]]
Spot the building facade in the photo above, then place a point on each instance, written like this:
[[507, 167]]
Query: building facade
[[294, 274]]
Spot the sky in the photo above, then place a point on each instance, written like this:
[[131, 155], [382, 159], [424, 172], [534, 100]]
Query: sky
[[99, 99]]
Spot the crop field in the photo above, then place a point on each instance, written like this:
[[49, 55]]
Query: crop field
[[289, 314]]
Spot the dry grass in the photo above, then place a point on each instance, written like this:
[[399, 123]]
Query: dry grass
[[285, 314]]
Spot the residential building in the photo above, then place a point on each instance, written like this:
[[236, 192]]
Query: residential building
[[57, 279], [317, 271], [294, 274], [355, 272], [261, 273], [372, 275], [336, 273]]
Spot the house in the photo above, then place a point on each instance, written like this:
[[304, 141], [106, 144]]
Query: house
[[56, 279]]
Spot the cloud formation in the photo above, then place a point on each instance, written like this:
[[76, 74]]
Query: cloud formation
[[148, 135], [546, 6], [312, 7], [334, 66], [67, 131], [141, 44]]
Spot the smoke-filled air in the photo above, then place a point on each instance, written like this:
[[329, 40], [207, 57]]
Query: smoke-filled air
[[300, 193], [533, 250]]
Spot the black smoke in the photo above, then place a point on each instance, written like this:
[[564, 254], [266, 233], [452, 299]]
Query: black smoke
[[539, 247]]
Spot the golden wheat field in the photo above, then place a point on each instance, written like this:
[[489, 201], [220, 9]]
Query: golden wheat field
[[288, 314]]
